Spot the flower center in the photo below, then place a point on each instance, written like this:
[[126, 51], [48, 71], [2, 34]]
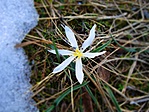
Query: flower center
[[78, 53]]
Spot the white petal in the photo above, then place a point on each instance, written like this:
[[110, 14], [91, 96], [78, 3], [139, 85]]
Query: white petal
[[52, 51], [90, 39], [79, 72], [63, 65], [62, 52], [92, 55], [71, 37]]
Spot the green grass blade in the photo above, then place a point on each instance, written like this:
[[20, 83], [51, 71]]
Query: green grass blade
[[56, 50], [57, 101], [128, 50], [113, 98], [50, 108], [91, 94], [98, 49], [61, 97]]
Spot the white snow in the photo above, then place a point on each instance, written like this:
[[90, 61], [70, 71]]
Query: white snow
[[17, 18]]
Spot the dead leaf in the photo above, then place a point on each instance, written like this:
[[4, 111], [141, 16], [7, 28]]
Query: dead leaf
[[103, 73]]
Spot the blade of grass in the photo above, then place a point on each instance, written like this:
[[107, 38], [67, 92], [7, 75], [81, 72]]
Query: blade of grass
[[61, 97], [113, 98], [57, 101], [128, 50], [50, 108], [56, 50], [92, 96], [98, 49]]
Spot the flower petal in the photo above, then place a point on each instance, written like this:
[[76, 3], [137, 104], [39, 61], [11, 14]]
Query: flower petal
[[92, 55], [71, 37], [62, 52], [63, 65], [90, 39], [79, 72]]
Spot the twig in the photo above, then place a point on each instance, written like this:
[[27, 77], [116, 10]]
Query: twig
[[72, 98], [134, 59], [129, 74], [139, 99], [85, 17]]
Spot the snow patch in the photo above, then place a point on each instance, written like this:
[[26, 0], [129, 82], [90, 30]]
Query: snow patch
[[17, 18]]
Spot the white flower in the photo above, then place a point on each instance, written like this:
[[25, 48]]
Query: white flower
[[78, 53]]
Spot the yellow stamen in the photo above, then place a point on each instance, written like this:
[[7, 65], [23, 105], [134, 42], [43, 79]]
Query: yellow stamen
[[78, 53]]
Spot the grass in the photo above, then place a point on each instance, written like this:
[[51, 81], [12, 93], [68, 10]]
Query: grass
[[117, 81]]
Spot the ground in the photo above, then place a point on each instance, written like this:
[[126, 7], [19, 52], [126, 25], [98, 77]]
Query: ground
[[115, 81]]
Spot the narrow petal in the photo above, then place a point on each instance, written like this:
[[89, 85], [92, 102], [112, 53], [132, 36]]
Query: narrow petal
[[79, 72], [71, 37], [92, 55], [52, 51], [62, 52], [63, 65], [90, 39]]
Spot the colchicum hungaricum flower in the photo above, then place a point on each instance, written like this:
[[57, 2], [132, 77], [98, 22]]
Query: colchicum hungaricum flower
[[78, 54]]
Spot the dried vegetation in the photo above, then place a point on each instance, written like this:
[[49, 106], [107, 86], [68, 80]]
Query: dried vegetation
[[116, 81]]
